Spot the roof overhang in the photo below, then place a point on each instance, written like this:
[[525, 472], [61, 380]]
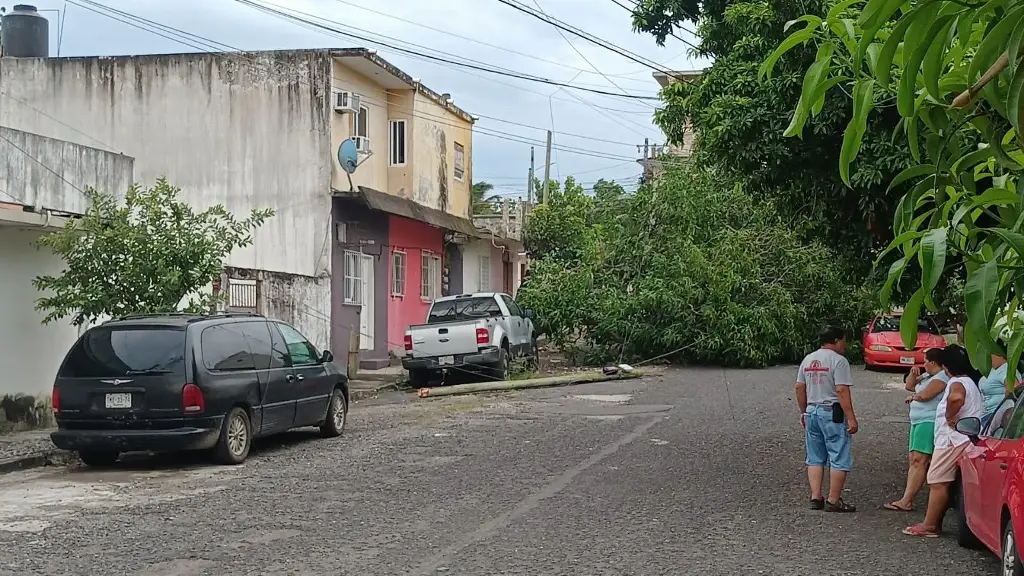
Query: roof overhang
[[666, 78], [397, 206], [15, 215], [388, 76]]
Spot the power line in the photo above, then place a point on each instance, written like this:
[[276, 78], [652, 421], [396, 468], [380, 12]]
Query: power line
[[671, 33], [475, 41], [438, 119], [586, 36], [473, 65]]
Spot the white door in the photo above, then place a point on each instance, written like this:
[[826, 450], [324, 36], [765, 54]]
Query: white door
[[366, 312]]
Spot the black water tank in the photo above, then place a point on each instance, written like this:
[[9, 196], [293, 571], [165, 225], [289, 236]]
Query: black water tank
[[24, 33]]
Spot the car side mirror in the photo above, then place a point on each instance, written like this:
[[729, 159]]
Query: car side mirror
[[529, 313], [970, 427], [327, 357]]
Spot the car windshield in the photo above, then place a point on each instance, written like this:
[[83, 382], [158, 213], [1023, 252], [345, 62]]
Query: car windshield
[[464, 309], [126, 351], [892, 324]]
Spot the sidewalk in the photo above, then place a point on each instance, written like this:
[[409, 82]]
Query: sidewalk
[[370, 383], [29, 449]]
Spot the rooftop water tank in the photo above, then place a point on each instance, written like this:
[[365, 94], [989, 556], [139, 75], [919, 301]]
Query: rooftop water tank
[[24, 33]]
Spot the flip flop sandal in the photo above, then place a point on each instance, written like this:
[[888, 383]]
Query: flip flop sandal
[[896, 508], [919, 530], [841, 507], [817, 503]]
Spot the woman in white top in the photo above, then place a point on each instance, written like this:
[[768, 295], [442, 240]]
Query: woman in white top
[[961, 399]]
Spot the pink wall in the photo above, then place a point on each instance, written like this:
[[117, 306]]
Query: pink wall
[[412, 237]]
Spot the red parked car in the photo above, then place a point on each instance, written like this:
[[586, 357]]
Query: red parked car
[[989, 495], [883, 345]]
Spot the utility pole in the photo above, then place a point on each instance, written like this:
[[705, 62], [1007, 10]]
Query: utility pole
[[547, 169], [529, 183]]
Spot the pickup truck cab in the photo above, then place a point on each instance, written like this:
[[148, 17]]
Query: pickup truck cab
[[475, 334]]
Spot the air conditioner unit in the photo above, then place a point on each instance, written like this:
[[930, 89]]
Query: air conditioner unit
[[346, 102], [362, 144]]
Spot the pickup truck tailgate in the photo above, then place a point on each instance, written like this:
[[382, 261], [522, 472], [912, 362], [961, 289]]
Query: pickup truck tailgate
[[444, 339]]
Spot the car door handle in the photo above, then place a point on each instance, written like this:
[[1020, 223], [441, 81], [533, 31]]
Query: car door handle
[[299, 377], [290, 377], [1003, 465]]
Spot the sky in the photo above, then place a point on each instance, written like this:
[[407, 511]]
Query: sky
[[595, 136]]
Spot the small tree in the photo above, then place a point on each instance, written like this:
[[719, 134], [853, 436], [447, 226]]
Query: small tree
[[144, 256]]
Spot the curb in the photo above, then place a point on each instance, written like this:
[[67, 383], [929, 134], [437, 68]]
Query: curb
[[364, 393], [53, 457]]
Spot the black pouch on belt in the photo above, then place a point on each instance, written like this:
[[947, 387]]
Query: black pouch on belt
[[838, 416]]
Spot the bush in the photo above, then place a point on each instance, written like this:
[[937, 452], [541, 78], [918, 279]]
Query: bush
[[689, 268]]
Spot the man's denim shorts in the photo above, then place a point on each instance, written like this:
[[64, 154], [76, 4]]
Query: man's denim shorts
[[828, 443]]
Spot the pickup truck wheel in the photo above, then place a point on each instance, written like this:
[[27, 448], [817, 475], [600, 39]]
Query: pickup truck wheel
[[500, 369], [419, 378]]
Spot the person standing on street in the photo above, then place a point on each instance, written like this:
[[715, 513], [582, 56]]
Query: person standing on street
[[826, 414], [961, 399]]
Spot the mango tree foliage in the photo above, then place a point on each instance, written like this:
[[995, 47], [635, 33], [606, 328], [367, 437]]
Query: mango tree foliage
[[144, 255], [953, 70]]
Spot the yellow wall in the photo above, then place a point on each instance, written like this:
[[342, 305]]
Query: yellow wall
[[431, 133], [435, 134], [373, 172]]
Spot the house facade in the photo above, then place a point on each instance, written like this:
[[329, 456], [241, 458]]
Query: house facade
[[404, 218], [42, 182], [497, 261], [652, 154]]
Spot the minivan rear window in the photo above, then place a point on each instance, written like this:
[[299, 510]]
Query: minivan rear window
[[126, 351]]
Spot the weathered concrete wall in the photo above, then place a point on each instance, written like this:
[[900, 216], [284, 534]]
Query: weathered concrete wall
[[373, 172], [401, 107], [30, 352], [246, 131], [74, 168], [435, 133]]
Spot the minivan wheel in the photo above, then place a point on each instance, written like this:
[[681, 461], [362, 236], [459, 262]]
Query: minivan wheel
[[98, 458], [235, 438], [337, 415]]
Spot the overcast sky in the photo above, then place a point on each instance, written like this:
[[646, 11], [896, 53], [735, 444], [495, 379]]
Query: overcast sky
[[603, 130]]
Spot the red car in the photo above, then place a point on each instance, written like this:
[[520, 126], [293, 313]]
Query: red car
[[989, 492], [883, 345]]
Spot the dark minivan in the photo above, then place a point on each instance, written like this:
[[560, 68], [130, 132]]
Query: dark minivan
[[172, 382]]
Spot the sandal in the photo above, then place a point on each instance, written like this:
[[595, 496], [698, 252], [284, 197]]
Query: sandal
[[839, 506], [920, 530], [817, 503], [896, 507]]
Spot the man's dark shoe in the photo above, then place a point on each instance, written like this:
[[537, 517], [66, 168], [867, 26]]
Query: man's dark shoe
[[839, 506], [817, 503]]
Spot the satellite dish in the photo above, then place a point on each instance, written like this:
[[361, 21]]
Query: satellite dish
[[348, 156]]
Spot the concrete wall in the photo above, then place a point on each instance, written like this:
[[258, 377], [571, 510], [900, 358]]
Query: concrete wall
[[471, 272], [367, 231], [74, 168], [30, 352], [401, 107], [435, 133], [246, 131]]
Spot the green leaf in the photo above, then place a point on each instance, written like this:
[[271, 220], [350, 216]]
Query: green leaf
[[863, 94], [912, 142], [992, 45], [813, 81], [934, 62], [1014, 240], [822, 90], [811, 20], [919, 48], [979, 297], [912, 172], [1013, 101], [795, 39], [838, 8], [908, 321], [892, 278], [1015, 348], [933, 258], [883, 70]]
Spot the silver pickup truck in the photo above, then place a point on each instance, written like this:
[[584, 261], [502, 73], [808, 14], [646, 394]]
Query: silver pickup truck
[[476, 335]]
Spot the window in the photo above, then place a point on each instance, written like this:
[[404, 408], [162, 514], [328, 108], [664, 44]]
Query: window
[[460, 162], [261, 345], [225, 348], [363, 122], [353, 278], [123, 351], [464, 309], [430, 275], [398, 273], [397, 147], [302, 352], [484, 271], [1000, 419], [513, 308]]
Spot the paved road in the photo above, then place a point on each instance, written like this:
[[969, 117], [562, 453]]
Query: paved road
[[698, 471]]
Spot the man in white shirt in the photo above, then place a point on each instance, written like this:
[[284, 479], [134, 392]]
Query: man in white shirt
[[826, 413], [961, 399]]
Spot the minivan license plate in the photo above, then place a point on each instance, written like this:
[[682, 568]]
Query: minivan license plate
[[446, 360], [119, 400], [906, 359]]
